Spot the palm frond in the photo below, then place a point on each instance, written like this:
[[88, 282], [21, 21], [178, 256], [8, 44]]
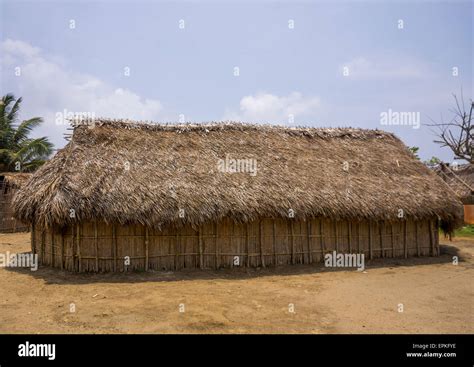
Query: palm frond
[[15, 145], [25, 128], [4, 109], [33, 165], [13, 113], [34, 148]]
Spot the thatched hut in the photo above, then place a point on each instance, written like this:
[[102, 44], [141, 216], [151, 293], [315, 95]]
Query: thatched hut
[[124, 195], [10, 182], [460, 179]]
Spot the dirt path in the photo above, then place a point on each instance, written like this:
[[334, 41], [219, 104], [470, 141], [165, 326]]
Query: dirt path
[[437, 297]]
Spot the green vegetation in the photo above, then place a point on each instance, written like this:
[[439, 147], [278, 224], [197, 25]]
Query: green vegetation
[[19, 152], [414, 151], [466, 231]]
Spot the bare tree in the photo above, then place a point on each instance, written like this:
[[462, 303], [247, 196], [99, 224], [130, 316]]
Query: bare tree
[[458, 134]]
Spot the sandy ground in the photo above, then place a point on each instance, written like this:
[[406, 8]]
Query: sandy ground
[[437, 297]]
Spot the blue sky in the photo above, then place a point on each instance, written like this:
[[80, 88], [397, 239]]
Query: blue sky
[[285, 74]]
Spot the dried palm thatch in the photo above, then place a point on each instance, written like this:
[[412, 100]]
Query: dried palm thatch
[[14, 179], [168, 174]]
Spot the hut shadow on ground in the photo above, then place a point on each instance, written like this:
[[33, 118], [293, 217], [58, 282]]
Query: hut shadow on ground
[[57, 276]]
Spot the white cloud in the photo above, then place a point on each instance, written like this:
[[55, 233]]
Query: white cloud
[[48, 87], [383, 68], [266, 107], [19, 48]]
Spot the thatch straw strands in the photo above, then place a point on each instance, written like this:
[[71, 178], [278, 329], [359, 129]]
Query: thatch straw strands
[[162, 174], [14, 179]]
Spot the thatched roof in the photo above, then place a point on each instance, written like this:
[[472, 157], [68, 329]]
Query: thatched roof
[[175, 167], [460, 179], [15, 179]]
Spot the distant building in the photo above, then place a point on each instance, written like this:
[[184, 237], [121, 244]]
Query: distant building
[[460, 179], [10, 182]]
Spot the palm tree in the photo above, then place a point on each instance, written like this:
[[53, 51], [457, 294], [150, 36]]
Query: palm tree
[[18, 152]]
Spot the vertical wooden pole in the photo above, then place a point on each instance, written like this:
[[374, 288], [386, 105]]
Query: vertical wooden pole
[[73, 247], [382, 253], [114, 244], [274, 245], [176, 250], [358, 237], [79, 247], [217, 246], [405, 239], [247, 243], [392, 239], [33, 238], [292, 231], [146, 248], [418, 253], [349, 235], [431, 238], [308, 237], [96, 244], [201, 256], [43, 245], [321, 235], [370, 240], [52, 246], [262, 258], [62, 249]]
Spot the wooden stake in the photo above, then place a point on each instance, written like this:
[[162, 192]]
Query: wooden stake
[[370, 240], [230, 243], [405, 239], [96, 244], [114, 244], [308, 237], [33, 238], [358, 237], [262, 259], [79, 246], [392, 239], [217, 246], [62, 249], [73, 247], [431, 238], [247, 243], [274, 246], [52, 246], [176, 251], [349, 235], [43, 245], [146, 248], [292, 231], [321, 242], [201, 257], [382, 254], [416, 240]]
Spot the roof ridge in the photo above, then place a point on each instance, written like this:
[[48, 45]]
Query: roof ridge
[[229, 125]]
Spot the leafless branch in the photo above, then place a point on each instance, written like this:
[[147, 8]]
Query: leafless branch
[[458, 134]]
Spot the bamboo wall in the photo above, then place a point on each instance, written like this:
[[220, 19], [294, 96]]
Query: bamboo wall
[[100, 247], [7, 222]]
